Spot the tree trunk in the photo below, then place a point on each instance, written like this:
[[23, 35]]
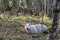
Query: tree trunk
[[53, 35], [53, 32]]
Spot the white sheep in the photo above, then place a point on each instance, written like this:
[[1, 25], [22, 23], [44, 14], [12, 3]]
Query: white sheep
[[36, 28]]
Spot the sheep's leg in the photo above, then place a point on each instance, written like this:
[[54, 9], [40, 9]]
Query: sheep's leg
[[31, 37]]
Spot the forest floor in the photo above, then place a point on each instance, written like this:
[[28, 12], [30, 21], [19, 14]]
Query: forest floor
[[9, 25]]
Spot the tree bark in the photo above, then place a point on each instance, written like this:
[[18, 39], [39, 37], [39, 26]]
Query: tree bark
[[53, 32]]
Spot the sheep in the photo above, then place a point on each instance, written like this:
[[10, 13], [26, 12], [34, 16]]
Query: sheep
[[36, 28], [33, 28]]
